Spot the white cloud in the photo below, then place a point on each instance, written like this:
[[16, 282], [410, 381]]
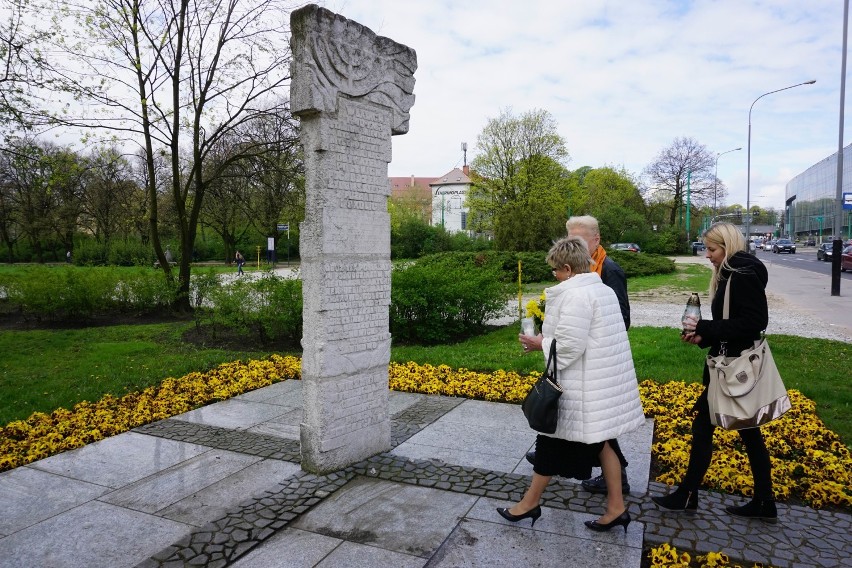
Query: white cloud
[[622, 79]]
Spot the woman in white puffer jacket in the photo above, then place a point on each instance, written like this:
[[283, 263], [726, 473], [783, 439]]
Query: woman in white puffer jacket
[[595, 370]]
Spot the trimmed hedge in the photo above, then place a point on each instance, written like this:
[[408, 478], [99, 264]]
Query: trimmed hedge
[[439, 301]]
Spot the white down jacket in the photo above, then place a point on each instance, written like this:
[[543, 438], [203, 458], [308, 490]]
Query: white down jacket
[[594, 361]]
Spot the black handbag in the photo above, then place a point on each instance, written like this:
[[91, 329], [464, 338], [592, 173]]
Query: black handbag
[[541, 406]]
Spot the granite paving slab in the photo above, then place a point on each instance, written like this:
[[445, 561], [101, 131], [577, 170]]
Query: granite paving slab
[[394, 516], [232, 413], [292, 547], [213, 501], [468, 445], [169, 486], [479, 544], [117, 461], [562, 521], [31, 495], [354, 555], [285, 425], [93, 535], [285, 393]]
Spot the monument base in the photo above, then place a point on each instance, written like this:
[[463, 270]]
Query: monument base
[[354, 447], [346, 418]]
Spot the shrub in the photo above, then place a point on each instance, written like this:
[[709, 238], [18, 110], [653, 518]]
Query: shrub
[[642, 264], [437, 301], [144, 291], [130, 253], [65, 292], [269, 308], [70, 292]]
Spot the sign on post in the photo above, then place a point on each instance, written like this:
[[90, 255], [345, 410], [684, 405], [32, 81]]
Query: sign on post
[[283, 226], [847, 200]]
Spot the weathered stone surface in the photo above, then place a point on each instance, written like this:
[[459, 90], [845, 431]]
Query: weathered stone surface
[[351, 90]]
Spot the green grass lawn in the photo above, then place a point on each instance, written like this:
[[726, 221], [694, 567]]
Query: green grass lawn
[[45, 369]]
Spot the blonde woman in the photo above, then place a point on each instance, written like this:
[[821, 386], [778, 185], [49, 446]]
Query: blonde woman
[[732, 266], [595, 370]]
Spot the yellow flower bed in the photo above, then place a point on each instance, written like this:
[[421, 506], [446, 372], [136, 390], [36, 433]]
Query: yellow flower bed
[[42, 435], [809, 462], [667, 556]]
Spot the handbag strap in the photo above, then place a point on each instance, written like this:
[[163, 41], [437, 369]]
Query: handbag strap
[[726, 306], [551, 357]]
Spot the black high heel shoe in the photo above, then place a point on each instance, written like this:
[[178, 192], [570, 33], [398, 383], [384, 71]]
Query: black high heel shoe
[[533, 514], [621, 520], [686, 501]]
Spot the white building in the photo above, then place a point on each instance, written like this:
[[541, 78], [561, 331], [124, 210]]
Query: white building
[[449, 193]]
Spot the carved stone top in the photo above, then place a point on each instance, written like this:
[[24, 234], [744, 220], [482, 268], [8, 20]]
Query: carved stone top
[[333, 55]]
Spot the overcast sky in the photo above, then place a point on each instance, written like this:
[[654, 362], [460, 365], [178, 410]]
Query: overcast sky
[[623, 79]]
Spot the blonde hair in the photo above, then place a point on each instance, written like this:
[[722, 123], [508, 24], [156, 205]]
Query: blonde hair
[[583, 222], [571, 251], [729, 238]]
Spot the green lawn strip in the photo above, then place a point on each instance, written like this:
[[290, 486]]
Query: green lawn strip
[[42, 370]]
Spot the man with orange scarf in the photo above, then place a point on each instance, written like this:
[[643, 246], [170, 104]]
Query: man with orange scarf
[[586, 227]]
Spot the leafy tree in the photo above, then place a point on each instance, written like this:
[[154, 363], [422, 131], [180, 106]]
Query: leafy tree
[[519, 157], [684, 160], [596, 189], [41, 188], [174, 77]]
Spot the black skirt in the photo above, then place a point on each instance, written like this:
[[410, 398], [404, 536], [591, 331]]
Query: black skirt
[[555, 456]]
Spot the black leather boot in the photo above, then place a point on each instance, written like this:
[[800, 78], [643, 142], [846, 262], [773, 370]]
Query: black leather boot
[[679, 500], [764, 510]]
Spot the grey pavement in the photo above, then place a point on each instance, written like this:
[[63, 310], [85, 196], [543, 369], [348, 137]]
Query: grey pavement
[[222, 486]]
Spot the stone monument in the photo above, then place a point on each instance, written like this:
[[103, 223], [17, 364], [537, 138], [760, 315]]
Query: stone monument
[[351, 90]]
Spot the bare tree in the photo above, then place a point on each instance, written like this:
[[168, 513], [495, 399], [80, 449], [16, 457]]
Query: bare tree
[[173, 77], [109, 195], [684, 161], [278, 174], [21, 60]]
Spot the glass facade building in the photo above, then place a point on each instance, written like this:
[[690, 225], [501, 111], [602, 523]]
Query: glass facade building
[[811, 200]]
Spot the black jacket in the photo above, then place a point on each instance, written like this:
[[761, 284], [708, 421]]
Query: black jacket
[[749, 313], [613, 276]]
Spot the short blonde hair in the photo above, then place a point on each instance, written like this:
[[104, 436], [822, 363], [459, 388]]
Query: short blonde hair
[[571, 251], [583, 222]]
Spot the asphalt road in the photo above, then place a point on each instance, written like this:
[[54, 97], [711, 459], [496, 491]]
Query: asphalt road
[[804, 259]]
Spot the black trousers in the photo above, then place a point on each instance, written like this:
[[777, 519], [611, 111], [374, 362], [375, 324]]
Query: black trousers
[[702, 451]]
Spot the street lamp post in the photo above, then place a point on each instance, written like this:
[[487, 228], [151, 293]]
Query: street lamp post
[[716, 177], [748, 167]]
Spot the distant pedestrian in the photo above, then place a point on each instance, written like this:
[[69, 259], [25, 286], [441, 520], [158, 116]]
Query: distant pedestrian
[[240, 262], [68, 257], [168, 255]]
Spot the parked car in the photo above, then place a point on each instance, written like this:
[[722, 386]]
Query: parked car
[[825, 251], [631, 247], [784, 245], [846, 259], [697, 246], [810, 243], [768, 245]]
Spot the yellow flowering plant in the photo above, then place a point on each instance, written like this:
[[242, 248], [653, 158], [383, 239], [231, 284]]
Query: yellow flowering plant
[[535, 310], [809, 462], [667, 556]]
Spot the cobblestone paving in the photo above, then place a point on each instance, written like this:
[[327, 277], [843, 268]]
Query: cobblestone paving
[[803, 536]]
